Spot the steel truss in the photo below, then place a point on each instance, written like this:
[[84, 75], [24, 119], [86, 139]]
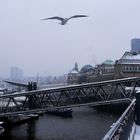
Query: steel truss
[[94, 94]]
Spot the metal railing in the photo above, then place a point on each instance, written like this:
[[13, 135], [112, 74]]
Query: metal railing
[[121, 130]]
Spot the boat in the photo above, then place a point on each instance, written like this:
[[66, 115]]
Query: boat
[[65, 112]]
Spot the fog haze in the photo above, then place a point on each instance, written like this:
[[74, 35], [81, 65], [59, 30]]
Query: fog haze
[[49, 48]]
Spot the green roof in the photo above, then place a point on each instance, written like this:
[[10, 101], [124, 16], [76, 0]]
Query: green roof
[[86, 68], [108, 62]]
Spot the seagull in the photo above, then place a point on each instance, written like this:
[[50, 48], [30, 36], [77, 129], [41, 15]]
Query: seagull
[[65, 20]]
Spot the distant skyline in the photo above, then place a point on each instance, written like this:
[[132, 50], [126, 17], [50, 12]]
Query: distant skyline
[[48, 48]]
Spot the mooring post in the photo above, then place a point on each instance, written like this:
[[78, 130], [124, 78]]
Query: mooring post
[[32, 99]]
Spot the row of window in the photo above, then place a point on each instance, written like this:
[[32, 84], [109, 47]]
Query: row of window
[[131, 68]]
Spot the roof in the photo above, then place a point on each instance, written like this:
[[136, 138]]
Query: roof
[[86, 68], [16, 83], [131, 55], [74, 72], [108, 62], [129, 58]]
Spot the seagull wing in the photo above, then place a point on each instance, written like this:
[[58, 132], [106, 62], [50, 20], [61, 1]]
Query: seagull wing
[[59, 18], [76, 16]]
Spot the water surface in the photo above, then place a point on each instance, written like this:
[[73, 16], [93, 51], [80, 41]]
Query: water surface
[[86, 124]]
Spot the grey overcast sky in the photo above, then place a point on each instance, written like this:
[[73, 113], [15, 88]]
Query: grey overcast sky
[[48, 48]]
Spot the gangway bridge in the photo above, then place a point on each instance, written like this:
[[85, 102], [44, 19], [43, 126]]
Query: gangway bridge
[[88, 94]]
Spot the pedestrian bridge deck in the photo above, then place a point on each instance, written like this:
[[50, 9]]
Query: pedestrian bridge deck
[[98, 93]]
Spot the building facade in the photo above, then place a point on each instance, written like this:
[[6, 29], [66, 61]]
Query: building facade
[[105, 70], [16, 74], [73, 75], [128, 65], [86, 74], [106, 67]]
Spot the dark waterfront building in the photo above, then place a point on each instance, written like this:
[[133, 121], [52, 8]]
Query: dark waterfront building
[[128, 65], [88, 73]]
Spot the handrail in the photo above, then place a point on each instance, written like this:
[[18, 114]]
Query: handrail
[[118, 123]]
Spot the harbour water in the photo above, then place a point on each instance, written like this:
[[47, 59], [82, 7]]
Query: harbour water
[[86, 124]]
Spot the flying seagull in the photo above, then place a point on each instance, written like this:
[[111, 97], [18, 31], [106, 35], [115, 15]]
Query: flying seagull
[[65, 20]]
